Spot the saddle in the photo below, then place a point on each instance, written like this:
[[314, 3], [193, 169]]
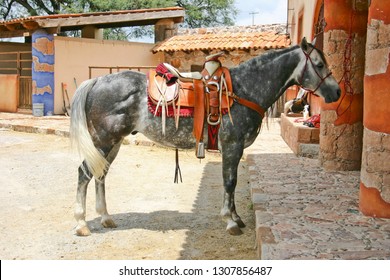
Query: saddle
[[208, 95]]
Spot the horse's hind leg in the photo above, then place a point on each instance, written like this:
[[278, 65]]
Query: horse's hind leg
[[230, 160], [101, 205], [80, 210], [85, 177]]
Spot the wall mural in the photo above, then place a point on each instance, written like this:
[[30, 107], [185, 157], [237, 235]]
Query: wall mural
[[43, 70]]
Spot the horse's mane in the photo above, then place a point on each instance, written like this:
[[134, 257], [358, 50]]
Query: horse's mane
[[272, 54], [268, 56]]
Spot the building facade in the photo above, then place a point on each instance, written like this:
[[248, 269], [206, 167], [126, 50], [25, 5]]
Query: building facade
[[354, 35]]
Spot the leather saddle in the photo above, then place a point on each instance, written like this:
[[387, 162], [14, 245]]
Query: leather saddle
[[181, 93], [208, 93]]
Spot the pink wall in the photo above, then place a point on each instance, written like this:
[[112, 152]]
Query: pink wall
[[74, 55]]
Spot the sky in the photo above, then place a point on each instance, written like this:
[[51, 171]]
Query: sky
[[267, 11]]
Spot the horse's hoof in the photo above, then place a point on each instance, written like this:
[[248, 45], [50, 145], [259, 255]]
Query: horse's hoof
[[240, 223], [108, 223], [233, 229], [83, 231]]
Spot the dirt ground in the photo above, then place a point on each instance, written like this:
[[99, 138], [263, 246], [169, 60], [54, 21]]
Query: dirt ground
[[156, 218]]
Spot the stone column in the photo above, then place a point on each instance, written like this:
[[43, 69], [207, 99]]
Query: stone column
[[43, 70], [163, 29], [375, 170], [341, 130], [92, 32]]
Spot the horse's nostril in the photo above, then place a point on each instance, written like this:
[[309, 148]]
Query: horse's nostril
[[338, 92]]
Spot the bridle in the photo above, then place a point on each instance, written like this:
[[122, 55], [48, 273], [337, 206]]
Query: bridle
[[308, 58]]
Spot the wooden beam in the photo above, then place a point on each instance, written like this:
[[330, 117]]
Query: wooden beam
[[30, 25], [176, 16], [16, 33], [10, 26], [25, 27]]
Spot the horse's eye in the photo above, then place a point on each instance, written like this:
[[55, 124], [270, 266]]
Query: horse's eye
[[320, 65]]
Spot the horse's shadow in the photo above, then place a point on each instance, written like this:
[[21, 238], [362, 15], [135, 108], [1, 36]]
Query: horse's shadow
[[203, 225], [204, 208], [163, 220]]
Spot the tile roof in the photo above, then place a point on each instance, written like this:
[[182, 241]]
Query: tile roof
[[225, 40]]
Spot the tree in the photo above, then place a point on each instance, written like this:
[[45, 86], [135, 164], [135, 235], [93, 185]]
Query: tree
[[199, 13], [17, 8]]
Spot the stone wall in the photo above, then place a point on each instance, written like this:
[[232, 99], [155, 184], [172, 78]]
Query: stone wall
[[301, 139], [376, 162], [341, 145]]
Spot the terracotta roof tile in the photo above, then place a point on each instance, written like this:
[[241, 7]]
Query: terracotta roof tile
[[224, 41]]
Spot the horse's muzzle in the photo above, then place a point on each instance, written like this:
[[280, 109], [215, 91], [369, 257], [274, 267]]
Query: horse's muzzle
[[334, 96]]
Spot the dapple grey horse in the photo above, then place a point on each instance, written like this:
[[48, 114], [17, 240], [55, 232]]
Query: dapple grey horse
[[108, 108]]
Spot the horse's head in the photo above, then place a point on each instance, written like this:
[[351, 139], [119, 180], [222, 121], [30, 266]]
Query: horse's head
[[315, 75]]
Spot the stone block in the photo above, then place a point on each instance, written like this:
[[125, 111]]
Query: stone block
[[327, 143], [385, 194], [375, 62], [328, 117], [386, 142], [379, 161], [384, 35], [264, 238], [315, 136], [372, 140], [304, 134], [295, 134], [338, 35]]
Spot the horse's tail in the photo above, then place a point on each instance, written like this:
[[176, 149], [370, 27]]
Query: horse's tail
[[79, 134]]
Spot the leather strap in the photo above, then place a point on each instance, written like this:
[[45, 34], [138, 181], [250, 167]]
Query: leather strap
[[199, 110], [249, 104]]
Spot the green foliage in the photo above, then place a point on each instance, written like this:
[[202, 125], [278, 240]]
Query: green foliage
[[199, 13]]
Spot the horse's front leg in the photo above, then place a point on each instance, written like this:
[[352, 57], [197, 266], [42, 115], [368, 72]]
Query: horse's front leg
[[230, 160]]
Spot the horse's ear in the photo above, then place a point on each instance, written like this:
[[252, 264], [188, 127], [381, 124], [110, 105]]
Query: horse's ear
[[304, 44], [314, 41]]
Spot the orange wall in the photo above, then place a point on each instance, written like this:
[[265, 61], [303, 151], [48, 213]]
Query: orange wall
[[374, 199], [345, 19], [74, 55], [376, 80], [9, 93]]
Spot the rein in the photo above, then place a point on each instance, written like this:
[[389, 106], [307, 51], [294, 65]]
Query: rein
[[308, 58]]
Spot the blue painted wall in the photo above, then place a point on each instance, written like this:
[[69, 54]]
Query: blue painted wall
[[43, 70]]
